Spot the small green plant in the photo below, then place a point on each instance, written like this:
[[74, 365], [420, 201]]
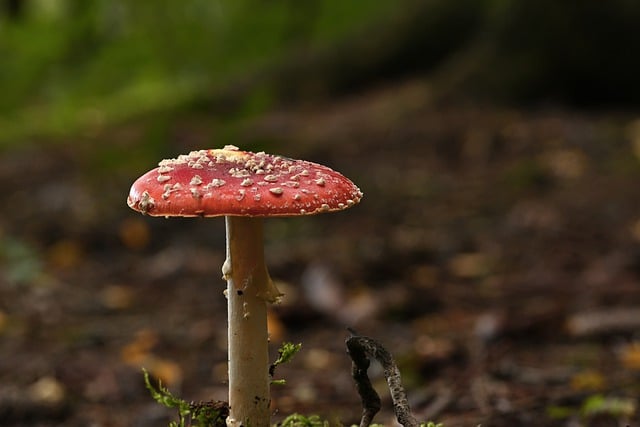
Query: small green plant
[[297, 420], [202, 414], [285, 354], [427, 424], [214, 413], [597, 404], [614, 406]]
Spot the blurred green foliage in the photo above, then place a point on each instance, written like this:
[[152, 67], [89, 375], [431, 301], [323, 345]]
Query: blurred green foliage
[[620, 409], [68, 64], [20, 263]]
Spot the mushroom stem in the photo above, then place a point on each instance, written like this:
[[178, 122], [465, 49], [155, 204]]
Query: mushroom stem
[[249, 288]]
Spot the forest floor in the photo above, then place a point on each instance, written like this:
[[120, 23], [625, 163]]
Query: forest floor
[[496, 254]]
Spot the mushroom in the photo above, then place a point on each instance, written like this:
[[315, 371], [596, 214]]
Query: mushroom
[[243, 187]]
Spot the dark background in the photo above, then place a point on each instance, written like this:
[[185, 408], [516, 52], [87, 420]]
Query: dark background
[[496, 252]]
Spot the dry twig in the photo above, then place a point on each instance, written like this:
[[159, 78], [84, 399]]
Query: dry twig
[[362, 349]]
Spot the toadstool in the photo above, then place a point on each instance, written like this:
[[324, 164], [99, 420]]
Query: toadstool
[[243, 187]]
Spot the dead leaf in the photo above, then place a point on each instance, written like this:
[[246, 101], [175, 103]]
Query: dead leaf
[[470, 265], [588, 380], [630, 356], [134, 233], [117, 297]]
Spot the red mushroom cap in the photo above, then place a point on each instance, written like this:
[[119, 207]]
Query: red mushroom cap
[[232, 182]]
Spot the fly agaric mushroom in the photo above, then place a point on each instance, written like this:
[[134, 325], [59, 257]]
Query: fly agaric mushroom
[[243, 187]]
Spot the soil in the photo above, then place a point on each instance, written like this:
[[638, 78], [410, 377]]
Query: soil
[[496, 255]]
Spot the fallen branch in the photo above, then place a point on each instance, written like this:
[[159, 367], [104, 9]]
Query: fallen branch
[[361, 349], [605, 321]]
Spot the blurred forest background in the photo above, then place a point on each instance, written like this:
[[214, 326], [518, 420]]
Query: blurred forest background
[[496, 251], [72, 65]]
